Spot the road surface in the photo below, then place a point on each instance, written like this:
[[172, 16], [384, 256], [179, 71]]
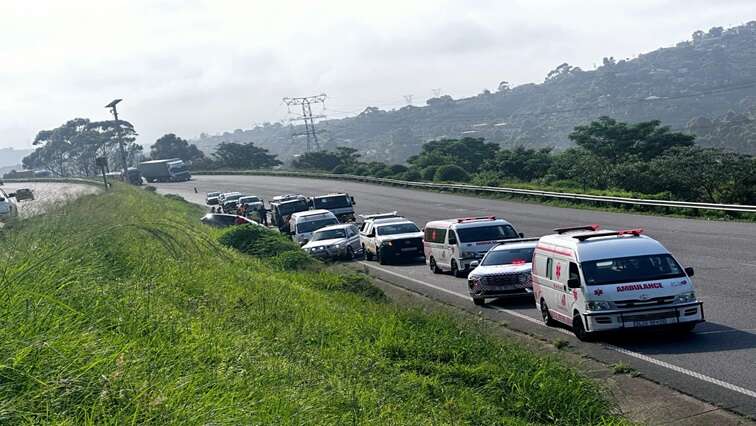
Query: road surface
[[716, 363], [47, 195]]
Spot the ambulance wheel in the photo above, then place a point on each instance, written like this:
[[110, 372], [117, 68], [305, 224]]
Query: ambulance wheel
[[433, 267], [579, 330], [381, 259], [368, 255], [455, 270], [479, 301], [546, 315]]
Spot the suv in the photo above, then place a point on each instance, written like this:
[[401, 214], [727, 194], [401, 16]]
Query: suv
[[389, 237], [335, 242], [504, 271], [303, 224], [282, 207], [342, 205], [452, 244]]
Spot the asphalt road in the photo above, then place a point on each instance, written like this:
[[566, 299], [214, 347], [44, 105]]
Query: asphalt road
[[717, 362], [47, 195]]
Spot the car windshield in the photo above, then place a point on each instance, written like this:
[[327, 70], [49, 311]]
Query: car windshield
[[247, 200], [212, 194], [631, 269], [397, 228], [313, 225], [335, 202], [292, 207], [486, 233], [517, 256], [330, 234]]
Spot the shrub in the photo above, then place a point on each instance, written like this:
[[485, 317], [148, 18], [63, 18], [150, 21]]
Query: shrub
[[340, 170], [150, 188], [257, 241], [451, 173], [429, 173], [412, 175], [397, 169]]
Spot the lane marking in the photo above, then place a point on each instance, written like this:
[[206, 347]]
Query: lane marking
[[636, 355]]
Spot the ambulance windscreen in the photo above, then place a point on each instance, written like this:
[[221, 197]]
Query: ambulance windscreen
[[486, 233], [631, 269]]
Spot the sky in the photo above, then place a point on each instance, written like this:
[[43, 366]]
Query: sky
[[210, 66]]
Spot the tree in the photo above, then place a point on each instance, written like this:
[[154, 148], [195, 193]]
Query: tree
[[581, 167], [616, 141], [172, 146], [244, 156], [71, 149], [468, 153], [451, 173], [318, 160], [520, 163], [504, 87]]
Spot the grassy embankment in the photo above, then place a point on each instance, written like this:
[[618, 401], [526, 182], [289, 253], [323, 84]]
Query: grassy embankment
[[120, 308]]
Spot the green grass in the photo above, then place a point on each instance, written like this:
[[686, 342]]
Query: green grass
[[119, 308]]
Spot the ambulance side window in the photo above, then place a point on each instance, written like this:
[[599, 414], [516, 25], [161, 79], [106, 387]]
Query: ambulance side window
[[550, 268], [452, 237], [539, 265], [574, 271]]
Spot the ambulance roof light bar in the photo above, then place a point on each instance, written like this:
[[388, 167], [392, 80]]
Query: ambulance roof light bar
[[634, 232], [593, 227], [472, 219]]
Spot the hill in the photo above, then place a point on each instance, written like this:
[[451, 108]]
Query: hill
[[11, 157], [708, 77]]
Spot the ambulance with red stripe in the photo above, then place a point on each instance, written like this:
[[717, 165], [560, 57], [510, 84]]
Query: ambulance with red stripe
[[599, 280]]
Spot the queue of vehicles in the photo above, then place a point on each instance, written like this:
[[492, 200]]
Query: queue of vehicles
[[585, 278]]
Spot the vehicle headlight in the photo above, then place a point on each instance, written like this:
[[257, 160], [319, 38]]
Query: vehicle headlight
[[336, 246], [467, 255], [599, 306], [474, 280], [685, 297], [387, 243]]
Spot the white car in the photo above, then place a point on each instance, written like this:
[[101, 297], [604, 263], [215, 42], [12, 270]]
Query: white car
[[453, 244], [8, 209], [596, 281], [303, 224], [335, 242], [389, 238], [504, 271]]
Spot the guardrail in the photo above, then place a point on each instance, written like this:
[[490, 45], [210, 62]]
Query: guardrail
[[501, 190]]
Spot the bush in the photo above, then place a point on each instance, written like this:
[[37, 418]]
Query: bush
[[412, 175], [340, 170], [257, 241], [150, 188], [429, 173], [451, 173], [397, 169], [175, 197]]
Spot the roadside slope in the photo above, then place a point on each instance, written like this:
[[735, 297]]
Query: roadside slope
[[143, 317]]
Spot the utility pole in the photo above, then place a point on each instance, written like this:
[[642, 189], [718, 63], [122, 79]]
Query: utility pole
[[436, 92], [309, 119], [408, 98], [125, 166]]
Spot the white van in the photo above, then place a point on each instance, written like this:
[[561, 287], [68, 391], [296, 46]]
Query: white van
[[595, 281], [452, 244], [303, 224]]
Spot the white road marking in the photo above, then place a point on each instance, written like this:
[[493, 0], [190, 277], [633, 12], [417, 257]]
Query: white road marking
[[636, 355]]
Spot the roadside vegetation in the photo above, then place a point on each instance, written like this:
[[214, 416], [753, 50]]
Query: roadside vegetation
[[120, 308]]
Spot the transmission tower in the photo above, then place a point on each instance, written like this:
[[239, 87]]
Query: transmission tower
[[307, 117], [436, 92], [408, 98]]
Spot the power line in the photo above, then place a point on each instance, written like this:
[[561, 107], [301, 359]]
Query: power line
[[309, 119]]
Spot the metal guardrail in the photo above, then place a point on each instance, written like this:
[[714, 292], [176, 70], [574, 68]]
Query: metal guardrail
[[742, 208], [82, 181]]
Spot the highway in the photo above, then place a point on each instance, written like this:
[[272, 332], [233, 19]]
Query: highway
[[716, 363], [47, 195]]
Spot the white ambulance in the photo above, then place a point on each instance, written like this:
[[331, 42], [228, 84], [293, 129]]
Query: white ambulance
[[453, 244], [595, 281]]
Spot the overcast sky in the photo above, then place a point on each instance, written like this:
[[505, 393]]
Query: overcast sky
[[191, 66]]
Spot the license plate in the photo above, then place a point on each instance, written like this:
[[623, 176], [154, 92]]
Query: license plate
[[649, 323], [409, 249]]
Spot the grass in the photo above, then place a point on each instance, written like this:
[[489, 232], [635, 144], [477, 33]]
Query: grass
[[120, 308], [622, 368]]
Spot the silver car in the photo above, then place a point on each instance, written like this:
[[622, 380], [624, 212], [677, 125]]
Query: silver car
[[335, 242]]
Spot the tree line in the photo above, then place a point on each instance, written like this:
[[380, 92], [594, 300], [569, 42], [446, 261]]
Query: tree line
[[644, 158]]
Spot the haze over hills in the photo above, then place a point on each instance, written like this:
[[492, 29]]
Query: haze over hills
[[700, 85], [10, 157]]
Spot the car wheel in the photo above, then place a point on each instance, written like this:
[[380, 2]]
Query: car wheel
[[368, 255], [433, 267], [381, 259], [479, 301], [546, 315], [455, 270], [579, 330]]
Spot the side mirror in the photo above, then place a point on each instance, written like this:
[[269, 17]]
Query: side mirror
[[573, 283], [689, 270], [522, 235], [371, 234], [12, 195], [474, 264]]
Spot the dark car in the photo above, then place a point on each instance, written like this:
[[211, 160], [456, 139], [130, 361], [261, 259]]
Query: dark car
[[220, 220], [24, 194]]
